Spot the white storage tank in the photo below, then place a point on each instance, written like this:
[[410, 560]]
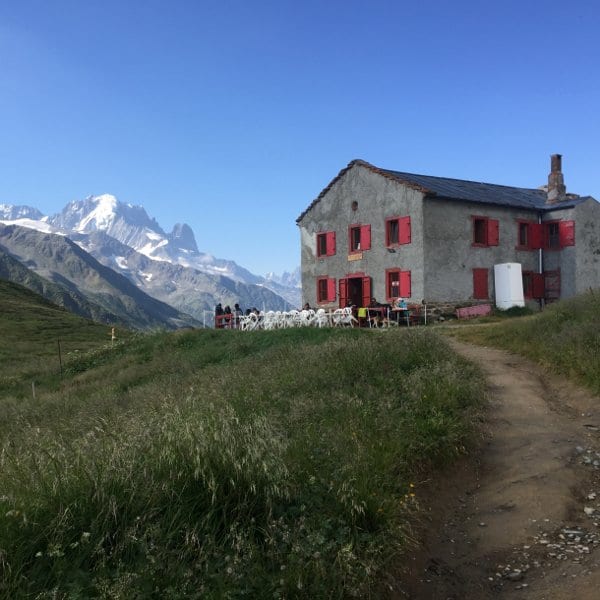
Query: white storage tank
[[508, 282]]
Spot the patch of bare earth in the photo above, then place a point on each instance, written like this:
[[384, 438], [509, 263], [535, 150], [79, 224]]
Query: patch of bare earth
[[522, 518]]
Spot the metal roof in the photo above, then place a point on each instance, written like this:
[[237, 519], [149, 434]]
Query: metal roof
[[475, 191], [445, 188]]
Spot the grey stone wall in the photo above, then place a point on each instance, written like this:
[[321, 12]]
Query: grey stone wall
[[579, 264], [377, 198], [449, 252]]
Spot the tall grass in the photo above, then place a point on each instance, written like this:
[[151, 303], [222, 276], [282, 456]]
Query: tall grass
[[269, 464], [564, 338]]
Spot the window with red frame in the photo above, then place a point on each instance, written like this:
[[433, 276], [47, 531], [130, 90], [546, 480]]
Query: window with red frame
[[359, 238], [397, 231], [485, 231], [326, 243], [529, 235], [325, 290], [398, 284], [559, 234]]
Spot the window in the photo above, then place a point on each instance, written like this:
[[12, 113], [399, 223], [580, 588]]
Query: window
[[485, 231], [552, 237], [359, 238], [397, 231], [325, 290], [529, 235], [524, 235], [558, 234], [398, 284], [480, 284], [326, 243], [527, 284]]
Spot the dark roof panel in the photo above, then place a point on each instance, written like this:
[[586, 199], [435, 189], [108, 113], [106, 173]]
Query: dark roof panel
[[459, 189], [475, 191]]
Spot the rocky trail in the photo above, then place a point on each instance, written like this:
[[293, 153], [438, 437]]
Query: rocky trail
[[522, 518]]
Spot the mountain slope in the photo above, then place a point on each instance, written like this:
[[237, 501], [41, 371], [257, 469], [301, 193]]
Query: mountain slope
[[85, 220], [185, 288], [14, 271], [32, 330], [62, 261]]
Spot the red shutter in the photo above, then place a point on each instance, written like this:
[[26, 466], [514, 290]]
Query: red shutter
[[330, 242], [343, 292], [480, 284], [366, 299], [330, 290], [405, 291], [537, 285], [566, 233], [365, 237], [404, 230], [536, 236], [493, 234]]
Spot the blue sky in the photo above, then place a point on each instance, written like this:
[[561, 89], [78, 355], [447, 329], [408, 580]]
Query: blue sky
[[232, 116]]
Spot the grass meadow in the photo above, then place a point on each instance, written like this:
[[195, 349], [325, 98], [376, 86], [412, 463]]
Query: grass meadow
[[564, 338], [226, 464]]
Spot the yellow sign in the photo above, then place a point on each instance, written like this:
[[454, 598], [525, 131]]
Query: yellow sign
[[357, 256]]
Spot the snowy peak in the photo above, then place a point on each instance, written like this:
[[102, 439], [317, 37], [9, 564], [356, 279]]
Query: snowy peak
[[183, 238], [292, 279], [102, 213], [9, 212], [127, 223], [101, 217]]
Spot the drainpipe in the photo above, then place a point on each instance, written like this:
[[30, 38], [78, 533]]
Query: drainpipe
[[541, 261]]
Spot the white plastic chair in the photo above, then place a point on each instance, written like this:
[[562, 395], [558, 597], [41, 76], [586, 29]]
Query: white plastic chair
[[347, 317], [321, 319], [337, 317], [270, 320]]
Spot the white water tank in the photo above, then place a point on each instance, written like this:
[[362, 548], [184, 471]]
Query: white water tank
[[508, 282]]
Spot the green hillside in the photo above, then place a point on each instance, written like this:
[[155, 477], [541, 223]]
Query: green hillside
[[31, 329], [225, 464], [564, 338]]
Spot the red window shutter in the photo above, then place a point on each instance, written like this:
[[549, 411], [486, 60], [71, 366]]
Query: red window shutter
[[493, 232], [538, 285], [330, 290], [480, 284], [536, 236], [405, 291], [404, 227], [366, 297], [330, 243], [566, 233], [365, 237], [343, 292]]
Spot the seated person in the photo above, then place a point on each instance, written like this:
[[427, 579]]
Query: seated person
[[375, 313], [400, 304]]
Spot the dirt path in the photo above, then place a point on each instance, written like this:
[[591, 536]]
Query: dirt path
[[523, 519]]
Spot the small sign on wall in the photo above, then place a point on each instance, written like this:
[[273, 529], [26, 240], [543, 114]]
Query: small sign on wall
[[356, 256]]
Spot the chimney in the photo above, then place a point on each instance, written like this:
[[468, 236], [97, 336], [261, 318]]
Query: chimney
[[556, 184]]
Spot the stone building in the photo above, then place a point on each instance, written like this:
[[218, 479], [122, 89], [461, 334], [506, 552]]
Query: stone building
[[378, 233]]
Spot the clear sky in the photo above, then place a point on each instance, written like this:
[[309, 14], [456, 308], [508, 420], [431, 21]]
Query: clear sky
[[233, 115]]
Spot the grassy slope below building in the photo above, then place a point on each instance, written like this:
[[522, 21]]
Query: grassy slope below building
[[564, 338], [225, 464]]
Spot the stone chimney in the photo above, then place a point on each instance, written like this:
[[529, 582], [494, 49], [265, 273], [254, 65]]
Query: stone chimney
[[556, 184]]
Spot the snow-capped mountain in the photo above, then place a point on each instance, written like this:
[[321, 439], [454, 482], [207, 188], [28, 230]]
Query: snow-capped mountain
[[9, 212], [132, 226], [292, 280], [134, 229]]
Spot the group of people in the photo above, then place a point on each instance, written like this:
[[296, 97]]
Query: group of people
[[236, 311], [228, 317]]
